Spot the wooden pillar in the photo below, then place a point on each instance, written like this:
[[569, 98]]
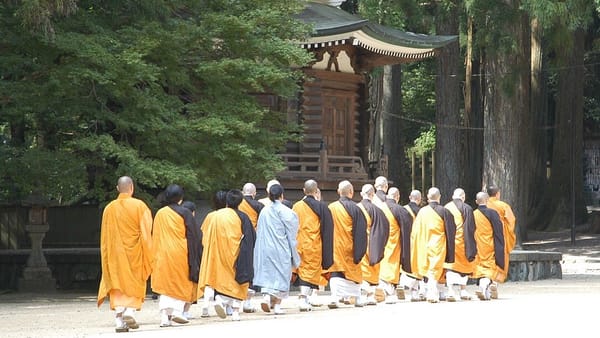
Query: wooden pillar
[[413, 166], [433, 168], [423, 172]]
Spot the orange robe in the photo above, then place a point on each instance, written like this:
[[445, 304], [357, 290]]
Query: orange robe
[[489, 235], [465, 246], [126, 252], [251, 208], [349, 239], [508, 221], [429, 244], [314, 241], [170, 276], [222, 236]]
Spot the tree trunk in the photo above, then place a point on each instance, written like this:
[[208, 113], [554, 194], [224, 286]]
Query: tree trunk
[[565, 186], [539, 112], [507, 118], [386, 125], [448, 152], [473, 144]]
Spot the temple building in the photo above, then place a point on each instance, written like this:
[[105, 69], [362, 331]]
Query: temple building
[[333, 106]]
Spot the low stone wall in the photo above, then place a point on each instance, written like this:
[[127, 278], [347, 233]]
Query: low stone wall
[[528, 265], [73, 268]]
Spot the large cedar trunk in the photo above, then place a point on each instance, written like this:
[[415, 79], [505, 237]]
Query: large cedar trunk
[[449, 159], [539, 109], [507, 119], [565, 187], [386, 125], [473, 139]]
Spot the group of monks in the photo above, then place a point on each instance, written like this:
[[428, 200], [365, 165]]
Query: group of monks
[[367, 252]]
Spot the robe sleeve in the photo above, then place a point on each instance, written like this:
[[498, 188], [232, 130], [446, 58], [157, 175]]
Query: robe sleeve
[[469, 232], [193, 235], [405, 221], [379, 234], [244, 267], [359, 230], [498, 229]]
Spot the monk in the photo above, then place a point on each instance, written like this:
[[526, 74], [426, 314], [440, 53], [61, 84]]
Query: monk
[[126, 254], [491, 249], [399, 219], [177, 251], [249, 205], [275, 254], [378, 230], [315, 243], [226, 269], [432, 244], [509, 222], [458, 272], [408, 279], [349, 247]]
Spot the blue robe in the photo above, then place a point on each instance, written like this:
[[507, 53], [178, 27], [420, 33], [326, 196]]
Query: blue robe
[[275, 251]]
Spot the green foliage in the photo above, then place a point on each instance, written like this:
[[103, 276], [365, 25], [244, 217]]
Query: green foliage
[[424, 143], [163, 91]]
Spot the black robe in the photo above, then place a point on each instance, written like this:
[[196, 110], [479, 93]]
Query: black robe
[[468, 229], [498, 229], [379, 234], [244, 263], [404, 219], [193, 235], [359, 229]]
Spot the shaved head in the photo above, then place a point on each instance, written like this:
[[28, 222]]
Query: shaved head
[[381, 183], [458, 194], [272, 183], [434, 194], [394, 194], [415, 196], [367, 191], [249, 189], [125, 185], [345, 189], [482, 198], [310, 187]]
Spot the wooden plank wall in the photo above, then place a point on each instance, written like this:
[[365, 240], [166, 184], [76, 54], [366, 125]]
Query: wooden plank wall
[[312, 106]]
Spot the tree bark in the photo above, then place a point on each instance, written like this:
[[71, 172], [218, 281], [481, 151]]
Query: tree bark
[[566, 176], [507, 118], [386, 125], [473, 139], [449, 155]]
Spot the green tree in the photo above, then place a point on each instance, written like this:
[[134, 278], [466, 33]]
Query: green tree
[[163, 91]]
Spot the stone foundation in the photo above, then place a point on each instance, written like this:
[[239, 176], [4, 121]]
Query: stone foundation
[[528, 265]]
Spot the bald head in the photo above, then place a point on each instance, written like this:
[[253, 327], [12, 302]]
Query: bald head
[[415, 196], [394, 194], [367, 191], [249, 189], [434, 194], [125, 185], [272, 183], [381, 183], [311, 187], [345, 189], [458, 194], [482, 198]]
